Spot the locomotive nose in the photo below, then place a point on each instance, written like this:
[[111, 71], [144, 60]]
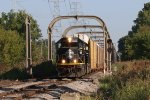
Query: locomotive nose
[[70, 54]]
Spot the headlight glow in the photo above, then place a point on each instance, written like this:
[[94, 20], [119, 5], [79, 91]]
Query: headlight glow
[[69, 39], [63, 61], [75, 61]]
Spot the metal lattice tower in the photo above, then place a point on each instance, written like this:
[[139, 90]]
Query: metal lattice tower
[[56, 9], [75, 9]]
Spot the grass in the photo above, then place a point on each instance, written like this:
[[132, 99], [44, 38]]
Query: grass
[[131, 81]]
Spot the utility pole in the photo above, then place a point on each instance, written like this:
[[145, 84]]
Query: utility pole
[[28, 47]]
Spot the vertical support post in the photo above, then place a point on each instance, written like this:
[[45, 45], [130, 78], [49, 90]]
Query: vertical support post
[[28, 47], [109, 51], [49, 45], [111, 56], [30, 67], [104, 52], [41, 49], [110, 61], [107, 60]]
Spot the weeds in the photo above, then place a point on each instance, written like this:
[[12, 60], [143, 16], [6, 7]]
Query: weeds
[[131, 81]]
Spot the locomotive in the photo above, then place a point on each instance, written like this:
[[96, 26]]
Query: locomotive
[[76, 56]]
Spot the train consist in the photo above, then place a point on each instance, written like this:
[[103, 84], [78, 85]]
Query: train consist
[[78, 55]]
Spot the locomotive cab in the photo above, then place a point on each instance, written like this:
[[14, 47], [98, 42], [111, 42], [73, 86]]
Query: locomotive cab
[[72, 55]]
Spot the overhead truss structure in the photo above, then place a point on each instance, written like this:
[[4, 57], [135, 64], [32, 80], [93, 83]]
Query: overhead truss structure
[[102, 26]]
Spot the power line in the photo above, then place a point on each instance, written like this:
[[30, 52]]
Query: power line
[[49, 7], [66, 6]]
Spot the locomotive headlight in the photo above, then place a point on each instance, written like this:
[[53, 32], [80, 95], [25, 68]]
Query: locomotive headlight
[[69, 39], [75, 60], [63, 61]]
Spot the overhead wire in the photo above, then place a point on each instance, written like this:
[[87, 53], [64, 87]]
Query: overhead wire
[[50, 7], [66, 7]]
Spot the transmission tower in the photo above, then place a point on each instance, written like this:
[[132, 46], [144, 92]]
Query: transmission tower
[[56, 9], [75, 8], [55, 6]]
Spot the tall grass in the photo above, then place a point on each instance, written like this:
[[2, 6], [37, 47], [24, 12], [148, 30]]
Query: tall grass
[[131, 81]]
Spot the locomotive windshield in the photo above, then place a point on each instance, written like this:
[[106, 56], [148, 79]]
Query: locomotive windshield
[[65, 44]]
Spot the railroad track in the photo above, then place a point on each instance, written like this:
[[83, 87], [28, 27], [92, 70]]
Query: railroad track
[[26, 90], [48, 87]]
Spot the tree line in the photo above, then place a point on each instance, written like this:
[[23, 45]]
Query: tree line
[[12, 39], [136, 45]]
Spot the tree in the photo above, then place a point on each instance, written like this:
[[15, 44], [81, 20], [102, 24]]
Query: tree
[[136, 45], [16, 21], [12, 37], [11, 47]]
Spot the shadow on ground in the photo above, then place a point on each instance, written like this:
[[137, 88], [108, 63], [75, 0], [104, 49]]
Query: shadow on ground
[[43, 70]]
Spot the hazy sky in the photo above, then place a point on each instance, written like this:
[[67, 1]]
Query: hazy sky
[[117, 14]]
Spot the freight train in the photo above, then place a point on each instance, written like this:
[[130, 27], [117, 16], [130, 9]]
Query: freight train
[[78, 55]]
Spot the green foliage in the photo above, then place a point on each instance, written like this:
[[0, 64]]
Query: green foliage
[[16, 21], [129, 82], [136, 45], [40, 50], [11, 47], [134, 91], [13, 35]]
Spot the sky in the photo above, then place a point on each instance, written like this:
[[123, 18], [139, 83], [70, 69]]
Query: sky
[[118, 15]]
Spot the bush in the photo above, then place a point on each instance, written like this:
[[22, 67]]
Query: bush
[[129, 82], [134, 91]]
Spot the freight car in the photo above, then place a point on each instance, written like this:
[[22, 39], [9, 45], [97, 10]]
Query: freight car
[[78, 55]]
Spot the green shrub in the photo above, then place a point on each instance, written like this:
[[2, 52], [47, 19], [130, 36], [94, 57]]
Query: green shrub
[[129, 82], [134, 91]]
